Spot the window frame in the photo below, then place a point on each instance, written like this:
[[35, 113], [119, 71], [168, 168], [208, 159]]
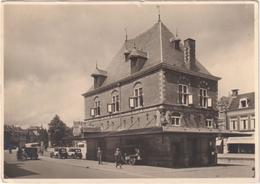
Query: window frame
[[240, 103], [97, 107], [138, 97], [174, 122], [232, 122], [207, 123], [244, 121], [252, 117], [183, 96], [203, 97]]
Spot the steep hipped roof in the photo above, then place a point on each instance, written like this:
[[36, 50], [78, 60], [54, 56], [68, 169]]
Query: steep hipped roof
[[234, 105], [99, 72], [156, 43]]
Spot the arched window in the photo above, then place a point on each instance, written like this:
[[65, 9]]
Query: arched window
[[138, 96], [115, 101], [97, 106]]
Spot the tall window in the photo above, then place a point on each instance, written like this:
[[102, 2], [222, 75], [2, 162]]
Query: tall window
[[244, 123], [209, 123], [138, 94], [115, 102], [252, 122], [203, 97], [233, 124], [97, 107], [183, 94]]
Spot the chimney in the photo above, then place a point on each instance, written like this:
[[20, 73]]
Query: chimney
[[234, 92], [189, 52]]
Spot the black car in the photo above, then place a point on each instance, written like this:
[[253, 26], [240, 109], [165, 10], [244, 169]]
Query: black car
[[27, 153], [63, 153]]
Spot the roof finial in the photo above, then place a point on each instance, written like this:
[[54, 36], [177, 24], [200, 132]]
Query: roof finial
[[176, 32], [126, 34], [159, 13], [134, 45], [96, 64]]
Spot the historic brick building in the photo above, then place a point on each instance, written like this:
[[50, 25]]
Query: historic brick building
[[154, 95]]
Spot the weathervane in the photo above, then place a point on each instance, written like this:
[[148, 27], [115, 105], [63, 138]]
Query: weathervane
[[159, 13], [126, 34]]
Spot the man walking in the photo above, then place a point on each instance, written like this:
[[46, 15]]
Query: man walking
[[118, 158], [99, 155]]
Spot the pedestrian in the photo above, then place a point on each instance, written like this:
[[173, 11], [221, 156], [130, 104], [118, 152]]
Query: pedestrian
[[99, 155], [118, 158]]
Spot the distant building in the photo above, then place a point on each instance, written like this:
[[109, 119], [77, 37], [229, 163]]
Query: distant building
[[239, 115]]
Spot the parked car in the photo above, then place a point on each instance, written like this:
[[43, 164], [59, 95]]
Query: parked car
[[77, 154], [63, 153], [27, 153], [71, 152], [54, 153], [74, 153], [132, 155]]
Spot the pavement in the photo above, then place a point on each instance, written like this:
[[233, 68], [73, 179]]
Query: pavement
[[47, 167]]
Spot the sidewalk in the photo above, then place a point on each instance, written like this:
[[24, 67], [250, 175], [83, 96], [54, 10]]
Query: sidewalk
[[151, 171]]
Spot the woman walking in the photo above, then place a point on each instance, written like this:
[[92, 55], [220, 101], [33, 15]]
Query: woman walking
[[118, 158]]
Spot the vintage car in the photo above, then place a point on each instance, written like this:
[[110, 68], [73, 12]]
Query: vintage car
[[62, 153], [78, 154], [74, 153], [54, 153], [27, 153], [132, 155]]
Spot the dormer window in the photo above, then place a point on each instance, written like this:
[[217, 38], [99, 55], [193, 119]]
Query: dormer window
[[99, 77], [138, 59], [126, 53], [243, 103]]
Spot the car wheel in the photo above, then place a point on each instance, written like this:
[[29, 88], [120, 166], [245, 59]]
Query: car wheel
[[132, 161]]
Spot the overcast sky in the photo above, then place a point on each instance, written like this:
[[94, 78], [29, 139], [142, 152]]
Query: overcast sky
[[50, 50]]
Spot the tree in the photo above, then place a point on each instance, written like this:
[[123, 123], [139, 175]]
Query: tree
[[57, 131], [44, 137]]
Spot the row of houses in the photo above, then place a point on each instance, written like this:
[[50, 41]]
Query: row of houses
[[237, 113], [157, 97]]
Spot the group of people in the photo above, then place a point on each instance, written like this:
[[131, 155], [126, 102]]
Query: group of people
[[118, 157]]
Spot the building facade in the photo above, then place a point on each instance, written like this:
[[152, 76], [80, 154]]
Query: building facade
[[239, 115], [154, 95]]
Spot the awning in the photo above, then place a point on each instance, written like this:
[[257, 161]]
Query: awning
[[241, 140]]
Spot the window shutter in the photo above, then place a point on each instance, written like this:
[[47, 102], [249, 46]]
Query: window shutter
[[109, 108], [190, 99], [209, 102], [92, 112], [131, 102], [141, 100]]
